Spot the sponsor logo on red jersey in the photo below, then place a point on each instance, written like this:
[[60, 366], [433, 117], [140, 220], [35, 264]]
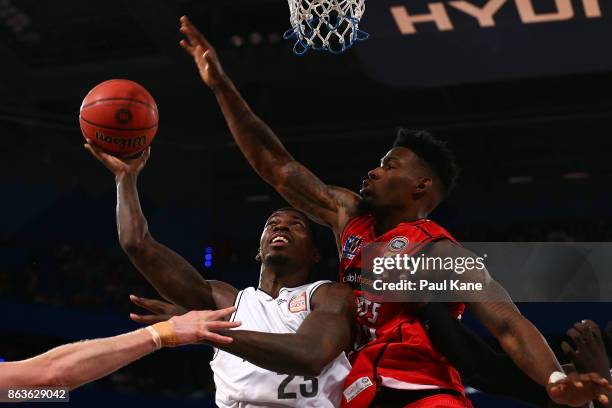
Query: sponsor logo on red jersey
[[351, 246]]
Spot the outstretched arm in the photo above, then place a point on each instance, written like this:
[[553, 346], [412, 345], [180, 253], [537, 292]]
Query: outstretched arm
[[73, 365], [480, 366], [169, 273], [327, 205], [519, 338], [162, 311], [324, 334], [590, 353]]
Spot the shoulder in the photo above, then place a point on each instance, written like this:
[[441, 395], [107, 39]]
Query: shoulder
[[357, 224], [446, 247], [332, 295], [250, 291], [434, 230], [224, 295], [346, 198], [346, 203]]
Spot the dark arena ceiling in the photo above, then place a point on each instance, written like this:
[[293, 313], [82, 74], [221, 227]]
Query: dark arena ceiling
[[323, 106]]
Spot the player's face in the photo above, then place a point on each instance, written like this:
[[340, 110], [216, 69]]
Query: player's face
[[395, 182], [287, 237]]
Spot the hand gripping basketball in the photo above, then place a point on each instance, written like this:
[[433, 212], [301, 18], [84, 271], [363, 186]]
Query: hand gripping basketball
[[117, 166], [203, 54]]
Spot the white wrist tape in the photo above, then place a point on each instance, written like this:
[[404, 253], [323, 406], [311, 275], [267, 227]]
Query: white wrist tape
[[556, 376], [155, 336]]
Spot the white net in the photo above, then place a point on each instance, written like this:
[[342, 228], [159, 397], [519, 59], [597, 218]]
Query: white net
[[325, 25]]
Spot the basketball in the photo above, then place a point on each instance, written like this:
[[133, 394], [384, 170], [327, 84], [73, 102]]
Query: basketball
[[119, 116]]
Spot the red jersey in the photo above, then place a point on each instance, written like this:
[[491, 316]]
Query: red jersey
[[397, 352]]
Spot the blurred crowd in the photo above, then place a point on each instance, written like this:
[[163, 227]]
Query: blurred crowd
[[67, 274], [94, 278]]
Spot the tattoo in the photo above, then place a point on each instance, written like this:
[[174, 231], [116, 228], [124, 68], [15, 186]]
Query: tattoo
[[327, 205]]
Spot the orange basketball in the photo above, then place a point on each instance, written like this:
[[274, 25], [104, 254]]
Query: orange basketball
[[119, 116]]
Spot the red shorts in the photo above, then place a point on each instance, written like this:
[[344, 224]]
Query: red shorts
[[392, 398], [442, 401]]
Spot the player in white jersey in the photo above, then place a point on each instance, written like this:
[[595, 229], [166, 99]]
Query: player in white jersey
[[239, 380], [291, 327]]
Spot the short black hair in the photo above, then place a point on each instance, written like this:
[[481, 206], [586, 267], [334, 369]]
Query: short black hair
[[309, 223], [434, 152]]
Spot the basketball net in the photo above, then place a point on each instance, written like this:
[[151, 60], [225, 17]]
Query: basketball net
[[325, 25]]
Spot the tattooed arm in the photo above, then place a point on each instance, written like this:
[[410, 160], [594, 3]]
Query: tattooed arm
[[518, 337], [328, 205]]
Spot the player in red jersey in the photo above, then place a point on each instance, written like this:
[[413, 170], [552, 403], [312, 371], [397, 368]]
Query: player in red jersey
[[395, 352], [414, 176]]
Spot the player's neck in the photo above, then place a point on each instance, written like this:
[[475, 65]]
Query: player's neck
[[272, 279], [387, 219]]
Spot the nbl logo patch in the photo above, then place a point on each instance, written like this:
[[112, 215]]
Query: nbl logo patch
[[298, 303], [398, 244], [351, 246]]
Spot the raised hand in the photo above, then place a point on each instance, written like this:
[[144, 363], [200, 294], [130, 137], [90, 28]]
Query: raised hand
[[161, 310], [202, 53], [119, 166], [579, 389], [590, 353], [200, 326]]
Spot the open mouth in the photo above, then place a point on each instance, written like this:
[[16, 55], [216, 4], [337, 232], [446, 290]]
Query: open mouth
[[280, 240]]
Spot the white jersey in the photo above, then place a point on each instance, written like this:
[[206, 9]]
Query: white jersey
[[241, 384]]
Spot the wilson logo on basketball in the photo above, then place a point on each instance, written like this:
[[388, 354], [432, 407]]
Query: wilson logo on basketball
[[298, 303], [121, 142], [123, 116]]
